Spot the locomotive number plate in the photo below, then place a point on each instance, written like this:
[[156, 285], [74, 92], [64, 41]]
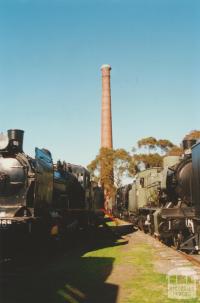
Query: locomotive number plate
[[5, 223]]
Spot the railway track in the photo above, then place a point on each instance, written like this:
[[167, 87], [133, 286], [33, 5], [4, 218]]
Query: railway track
[[193, 258]]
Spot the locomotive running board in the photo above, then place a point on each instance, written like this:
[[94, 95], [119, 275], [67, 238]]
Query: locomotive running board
[[179, 213]]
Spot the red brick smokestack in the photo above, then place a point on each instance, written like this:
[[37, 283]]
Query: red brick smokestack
[[106, 116]]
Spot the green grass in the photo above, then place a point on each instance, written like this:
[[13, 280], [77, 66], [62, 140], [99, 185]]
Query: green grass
[[107, 252], [145, 285]]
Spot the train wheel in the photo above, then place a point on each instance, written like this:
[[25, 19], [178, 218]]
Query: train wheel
[[150, 229], [140, 224], [177, 240]]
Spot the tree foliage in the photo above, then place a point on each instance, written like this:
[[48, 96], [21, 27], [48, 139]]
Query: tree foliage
[[193, 134], [111, 166], [165, 145], [150, 160], [152, 144], [175, 151], [149, 142], [156, 151]]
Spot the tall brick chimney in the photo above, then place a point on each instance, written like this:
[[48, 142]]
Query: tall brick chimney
[[106, 115]]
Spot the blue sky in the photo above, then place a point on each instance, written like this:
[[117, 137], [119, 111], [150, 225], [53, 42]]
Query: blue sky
[[50, 81]]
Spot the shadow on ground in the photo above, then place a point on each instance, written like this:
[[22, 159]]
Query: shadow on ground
[[67, 276]]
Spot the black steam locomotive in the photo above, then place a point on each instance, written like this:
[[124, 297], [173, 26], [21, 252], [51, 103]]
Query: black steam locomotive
[[166, 201], [42, 199]]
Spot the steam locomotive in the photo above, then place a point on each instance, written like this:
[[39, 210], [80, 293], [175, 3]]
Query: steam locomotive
[[39, 199], [165, 202]]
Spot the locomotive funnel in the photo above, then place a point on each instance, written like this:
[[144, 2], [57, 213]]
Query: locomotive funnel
[[16, 139], [188, 143]]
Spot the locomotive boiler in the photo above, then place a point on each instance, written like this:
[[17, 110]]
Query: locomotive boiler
[[175, 222], [38, 199], [165, 201]]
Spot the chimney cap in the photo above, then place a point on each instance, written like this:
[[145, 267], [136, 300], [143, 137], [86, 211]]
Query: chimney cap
[[105, 66]]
